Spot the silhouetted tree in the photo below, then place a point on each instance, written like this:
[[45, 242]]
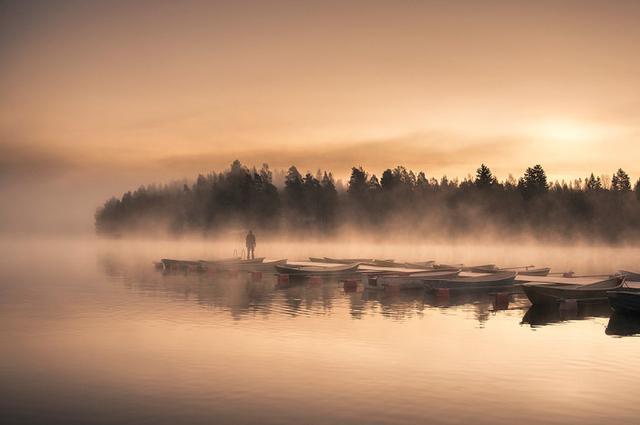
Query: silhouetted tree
[[620, 181], [533, 183], [484, 178], [358, 183], [593, 183]]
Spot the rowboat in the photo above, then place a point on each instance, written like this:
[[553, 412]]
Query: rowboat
[[552, 293], [171, 264], [317, 259], [316, 270], [347, 260], [449, 267], [420, 264], [541, 271], [411, 281], [490, 281], [634, 276], [528, 270], [624, 300], [485, 268], [384, 263]]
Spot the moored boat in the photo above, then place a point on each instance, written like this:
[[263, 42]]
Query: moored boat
[[553, 293], [316, 270], [461, 283], [485, 268], [440, 266], [410, 281], [347, 260], [523, 270], [420, 264], [171, 264], [541, 271]]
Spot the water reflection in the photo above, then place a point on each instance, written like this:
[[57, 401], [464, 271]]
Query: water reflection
[[243, 294], [542, 315], [127, 344], [621, 324]]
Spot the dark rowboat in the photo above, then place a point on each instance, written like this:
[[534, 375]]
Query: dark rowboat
[[624, 300], [411, 281], [171, 264], [553, 293], [491, 281], [317, 271]]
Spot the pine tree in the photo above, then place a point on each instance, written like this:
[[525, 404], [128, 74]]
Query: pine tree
[[620, 181], [534, 182], [484, 177]]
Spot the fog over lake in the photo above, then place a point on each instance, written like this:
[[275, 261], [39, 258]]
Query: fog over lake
[[93, 333]]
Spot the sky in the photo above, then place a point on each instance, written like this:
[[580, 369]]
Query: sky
[[120, 93]]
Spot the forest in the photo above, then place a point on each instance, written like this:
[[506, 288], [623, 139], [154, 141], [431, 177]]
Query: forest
[[401, 203]]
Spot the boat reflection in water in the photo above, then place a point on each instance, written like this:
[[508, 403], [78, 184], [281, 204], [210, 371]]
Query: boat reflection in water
[[243, 293], [622, 324], [541, 315]]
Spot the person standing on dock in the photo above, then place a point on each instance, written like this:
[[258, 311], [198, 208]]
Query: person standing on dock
[[251, 245]]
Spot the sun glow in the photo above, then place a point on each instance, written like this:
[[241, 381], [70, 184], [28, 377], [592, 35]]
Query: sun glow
[[571, 131]]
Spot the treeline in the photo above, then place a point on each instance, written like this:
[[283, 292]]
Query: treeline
[[400, 202]]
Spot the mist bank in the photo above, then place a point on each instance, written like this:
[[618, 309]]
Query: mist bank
[[400, 204]]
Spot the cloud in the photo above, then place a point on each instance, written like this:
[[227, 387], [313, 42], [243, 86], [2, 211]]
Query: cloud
[[432, 151]]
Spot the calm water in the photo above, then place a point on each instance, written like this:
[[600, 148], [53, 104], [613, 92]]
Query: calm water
[[91, 333]]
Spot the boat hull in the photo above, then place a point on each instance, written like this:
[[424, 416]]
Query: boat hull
[[317, 271], [536, 272], [554, 293], [413, 281], [495, 281]]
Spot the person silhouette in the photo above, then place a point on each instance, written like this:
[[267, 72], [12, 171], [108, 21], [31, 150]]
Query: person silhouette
[[251, 245]]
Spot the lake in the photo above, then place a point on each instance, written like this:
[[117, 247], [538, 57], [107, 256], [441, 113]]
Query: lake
[[92, 333]]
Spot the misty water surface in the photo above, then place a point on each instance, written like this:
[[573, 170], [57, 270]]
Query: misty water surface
[[91, 333]]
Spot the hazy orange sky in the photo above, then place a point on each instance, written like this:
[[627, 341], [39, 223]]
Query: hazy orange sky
[[176, 88]]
